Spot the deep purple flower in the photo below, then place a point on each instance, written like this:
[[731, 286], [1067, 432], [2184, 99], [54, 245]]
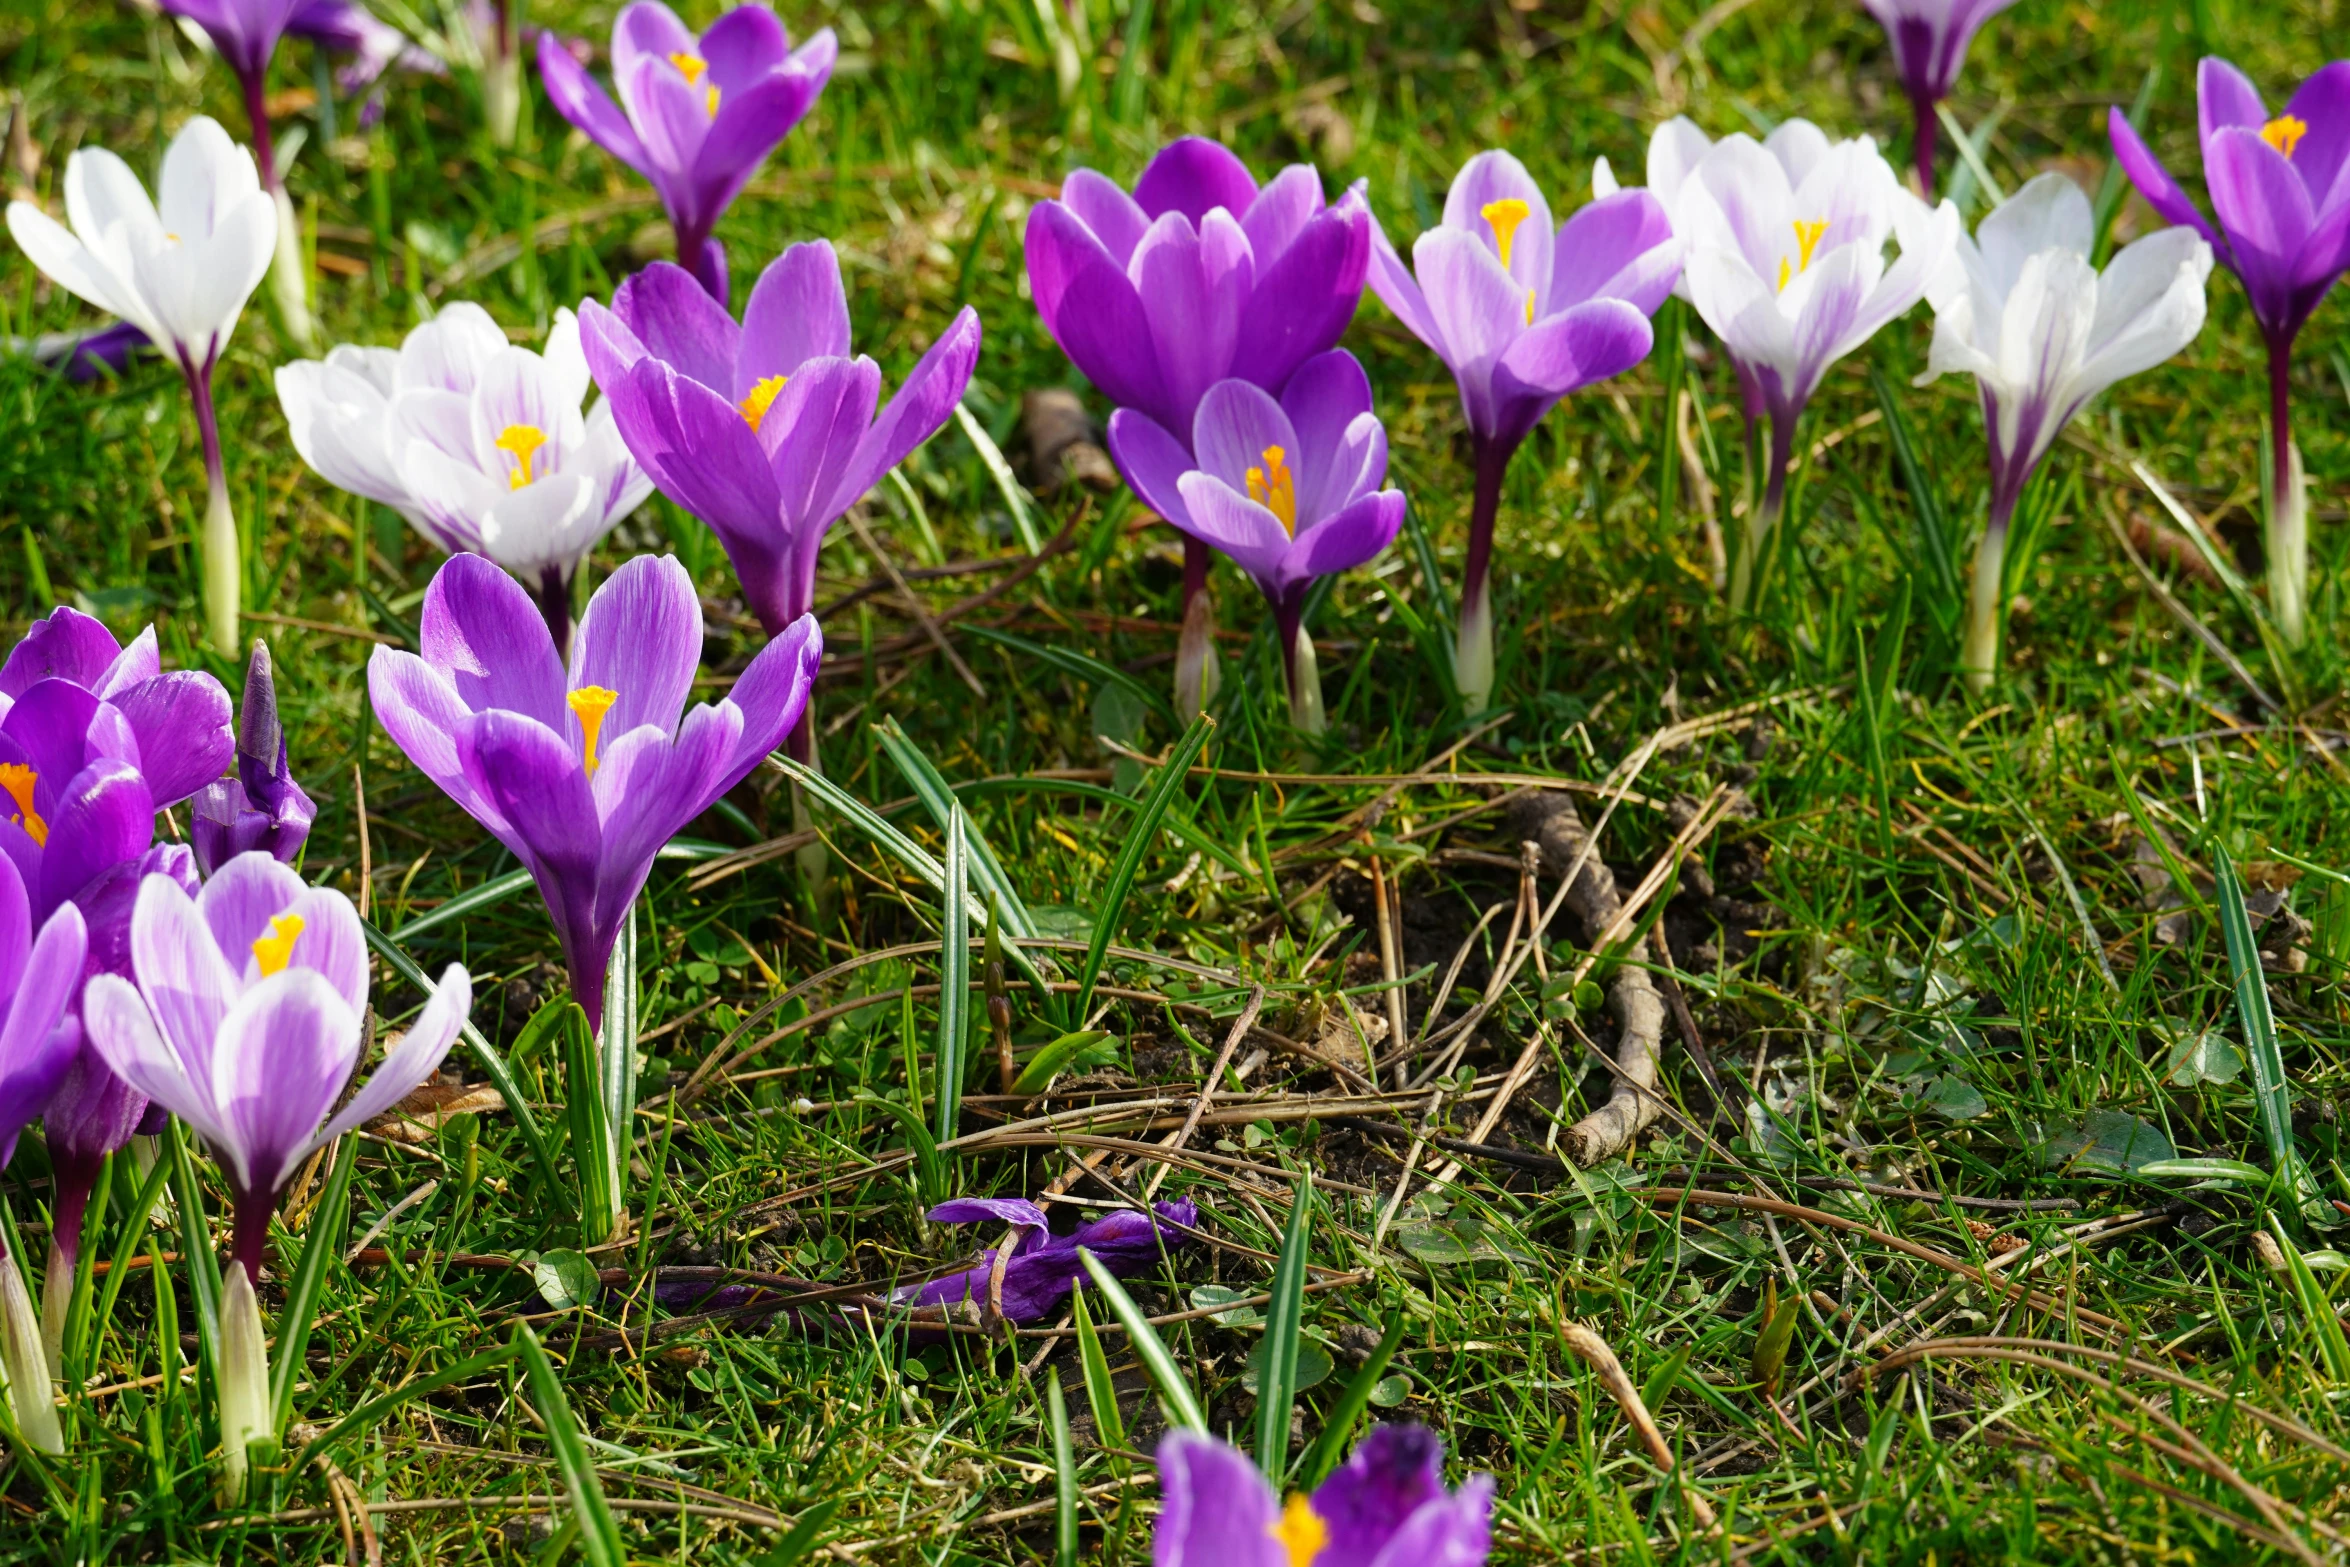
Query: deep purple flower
[[1523, 315], [583, 773], [1386, 1506], [39, 971], [697, 116], [768, 431], [1930, 39], [1044, 1268], [2281, 189], [262, 807], [1289, 490]]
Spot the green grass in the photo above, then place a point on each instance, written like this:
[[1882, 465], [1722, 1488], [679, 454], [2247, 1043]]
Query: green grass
[[1911, 890]]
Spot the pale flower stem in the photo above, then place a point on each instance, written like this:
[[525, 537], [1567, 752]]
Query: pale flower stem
[[1986, 617], [1472, 652], [1305, 683], [56, 1304], [244, 1380], [1472, 658], [23, 1370], [501, 77], [1754, 538], [289, 283], [2285, 521], [1196, 674], [224, 565]]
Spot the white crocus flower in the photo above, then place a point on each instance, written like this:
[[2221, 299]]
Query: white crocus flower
[[478, 442], [1786, 263], [180, 269], [2042, 332]]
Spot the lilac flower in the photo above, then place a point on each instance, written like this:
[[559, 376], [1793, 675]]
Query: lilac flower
[[697, 115], [2282, 196], [1386, 1506], [1930, 39], [1200, 276], [768, 431], [2042, 333], [246, 1022], [262, 807], [1289, 490], [1523, 315], [583, 773], [1043, 1268]]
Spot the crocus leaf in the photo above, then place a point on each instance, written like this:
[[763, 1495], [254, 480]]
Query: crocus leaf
[[1277, 1359], [1064, 1477], [1174, 1392], [323, 1240], [1363, 1389], [599, 1530], [954, 979], [1054, 1058], [1164, 788], [1101, 1393]]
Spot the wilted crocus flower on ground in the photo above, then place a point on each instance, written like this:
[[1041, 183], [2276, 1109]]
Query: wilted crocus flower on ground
[[1786, 263], [1200, 276], [2283, 200], [768, 432], [246, 1023], [1386, 1506], [478, 442], [697, 115], [2042, 333], [1289, 490], [1930, 39], [1523, 315], [181, 274], [1044, 1268], [262, 807], [584, 773]]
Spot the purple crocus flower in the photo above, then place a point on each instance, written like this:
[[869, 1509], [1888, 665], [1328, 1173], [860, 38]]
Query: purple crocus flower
[[1523, 315], [768, 431], [262, 807], [374, 46], [583, 773], [1386, 1506], [1930, 39], [1044, 1268], [1289, 490], [39, 971], [1200, 276], [2281, 189], [697, 115]]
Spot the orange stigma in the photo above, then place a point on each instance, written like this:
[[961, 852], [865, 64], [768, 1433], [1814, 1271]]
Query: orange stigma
[[18, 780], [1301, 1531], [1272, 488], [2284, 133], [1503, 217], [274, 951], [523, 441], [762, 398], [591, 703]]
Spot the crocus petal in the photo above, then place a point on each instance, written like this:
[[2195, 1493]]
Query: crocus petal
[[2225, 97], [772, 693], [1496, 177], [1399, 291], [1194, 176], [424, 716], [1590, 342], [578, 99], [1455, 1532], [1303, 298], [2261, 203], [812, 433], [1229, 521], [182, 721], [2154, 182], [1238, 428], [1017, 1211], [190, 982], [1193, 286], [678, 323], [1153, 463], [1113, 216], [481, 633], [1394, 1471], [34, 1050], [1324, 401], [413, 1059], [533, 776], [1599, 242], [797, 312], [1281, 211], [241, 899], [918, 411], [1215, 1509], [1478, 308], [1091, 308], [286, 1049], [2323, 104], [67, 645], [641, 638], [104, 816], [1353, 537], [122, 1034]]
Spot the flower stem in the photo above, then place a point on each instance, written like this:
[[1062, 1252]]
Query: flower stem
[[1196, 674], [1924, 140], [1472, 658], [554, 600], [705, 258], [256, 92], [244, 1380], [2285, 531], [1300, 668], [1986, 620], [249, 1232], [224, 564], [501, 77], [1746, 571]]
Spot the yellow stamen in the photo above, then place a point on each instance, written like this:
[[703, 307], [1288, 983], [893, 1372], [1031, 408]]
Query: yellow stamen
[[1272, 488], [275, 950], [2284, 133], [689, 66], [762, 398], [1808, 234], [710, 101], [18, 780], [1301, 1531], [1785, 272], [1503, 217], [591, 703], [523, 440], [1529, 307]]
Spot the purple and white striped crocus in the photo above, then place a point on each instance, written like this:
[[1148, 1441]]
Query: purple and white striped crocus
[[1386, 1506], [1523, 315], [1200, 276], [1930, 39], [2042, 333], [770, 431], [1288, 490], [38, 1039], [245, 1022], [586, 772], [2280, 186], [260, 806], [697, 115]]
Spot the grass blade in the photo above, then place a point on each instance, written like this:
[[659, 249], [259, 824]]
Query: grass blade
[[1054, 1058], [1668, 451], [616, 1061], [1330, 1447], [593, 1153], [134, 1231], [2325, 1324], [938, 797], [1069, 660], [801, 1539], [599, 1531], [1164, 788], [991, 456], [1284, 1317], [196, 1243], [954, 978], [1174, 1392], [1064, 1477], [1936, 544], [930, 1169], [2270, 1092], [375, 1409], [324, 1239], [1101, 1394]]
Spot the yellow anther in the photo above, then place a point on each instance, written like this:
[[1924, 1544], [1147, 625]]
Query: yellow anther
[[1529, 307], [523, 440], [1785, 272], [762, 398], [2284, 133], [1503, 217], [1272, 488], [275, 950], [18, 780], [1301, 1531], [591, 703], [710, 101], [1808, 234], [689, 66]]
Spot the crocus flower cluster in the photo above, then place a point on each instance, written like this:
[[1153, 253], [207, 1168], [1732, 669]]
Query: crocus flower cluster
[[697, 114], [1523, 315], [2042, 333], [478, 442], [179, 269], [2282, 198], [1930, 39], [1042, 1268], [260, 806], [1386, 1506]]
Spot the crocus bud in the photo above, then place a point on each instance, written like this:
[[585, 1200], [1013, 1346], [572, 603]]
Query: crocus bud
[[24, 1371], [262, 807], [244, 1380]]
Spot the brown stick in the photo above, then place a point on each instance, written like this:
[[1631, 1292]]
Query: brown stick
[[1618, 1383]]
